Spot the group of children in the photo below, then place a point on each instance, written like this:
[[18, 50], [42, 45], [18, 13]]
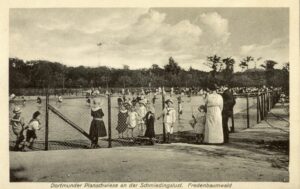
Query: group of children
[[135, 115], [19, 127]]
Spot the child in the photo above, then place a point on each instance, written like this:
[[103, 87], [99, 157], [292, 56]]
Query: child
[[17, 123], [169, 114], [38, 100], [132, 120], [122, 119], [33, 126], [199, 123], [142, 113], [97, 127], [149, 121], [180, 107], [60, 99]]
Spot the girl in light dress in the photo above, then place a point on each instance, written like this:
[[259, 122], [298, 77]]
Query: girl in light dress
[[199, 123], [132, 120], [141, 110]]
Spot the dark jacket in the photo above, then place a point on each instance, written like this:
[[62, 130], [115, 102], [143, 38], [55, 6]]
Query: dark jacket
[[228, 103]]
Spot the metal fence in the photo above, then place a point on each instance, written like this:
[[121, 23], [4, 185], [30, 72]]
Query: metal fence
[[65, 125]]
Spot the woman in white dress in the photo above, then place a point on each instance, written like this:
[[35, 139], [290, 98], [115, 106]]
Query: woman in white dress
[[213, 126]]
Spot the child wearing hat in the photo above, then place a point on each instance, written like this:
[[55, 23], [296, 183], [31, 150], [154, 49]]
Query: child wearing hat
[[33, 126], [17, 123], [97, 127], [169, 114]]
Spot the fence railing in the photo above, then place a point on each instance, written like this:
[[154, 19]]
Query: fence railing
[[66, 124]]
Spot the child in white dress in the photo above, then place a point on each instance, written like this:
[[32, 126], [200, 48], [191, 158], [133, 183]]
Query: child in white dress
[[199, 123], [132, 120]]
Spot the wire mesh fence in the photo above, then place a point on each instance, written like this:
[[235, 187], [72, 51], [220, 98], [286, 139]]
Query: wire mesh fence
[[67, 123]]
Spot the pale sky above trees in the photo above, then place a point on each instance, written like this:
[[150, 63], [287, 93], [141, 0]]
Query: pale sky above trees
[[142, 37]]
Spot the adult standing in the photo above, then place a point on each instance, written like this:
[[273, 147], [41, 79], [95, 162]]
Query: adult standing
[[97, 128], [228, 104], [213, 126]]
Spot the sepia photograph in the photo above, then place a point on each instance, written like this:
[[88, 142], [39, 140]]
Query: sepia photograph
[[148, 95]]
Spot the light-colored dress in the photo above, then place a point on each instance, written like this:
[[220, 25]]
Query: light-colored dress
[[132, 120], [213, 132], [141, 114], [200, 123]]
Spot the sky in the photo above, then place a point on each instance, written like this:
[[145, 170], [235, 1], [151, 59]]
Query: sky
[[141, 37]]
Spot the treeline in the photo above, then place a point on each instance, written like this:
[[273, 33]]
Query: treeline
[[42, 73]]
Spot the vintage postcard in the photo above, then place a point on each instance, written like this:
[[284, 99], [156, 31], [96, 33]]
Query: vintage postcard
[[140, 94]]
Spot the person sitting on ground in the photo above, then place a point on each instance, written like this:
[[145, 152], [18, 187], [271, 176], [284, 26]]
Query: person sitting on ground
[[33, 126], [17, 123]]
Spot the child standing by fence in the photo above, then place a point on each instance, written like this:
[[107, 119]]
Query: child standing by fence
[[199, 123], [97, 128], [122, 119], [142, 113], [132, 120], [17, 123], [33, 126], [169, 114]]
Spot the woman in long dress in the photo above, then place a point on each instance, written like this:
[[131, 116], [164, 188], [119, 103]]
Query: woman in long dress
[[213, 126]]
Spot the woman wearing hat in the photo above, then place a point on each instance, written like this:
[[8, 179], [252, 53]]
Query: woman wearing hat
[[17, 123], [213, 132], [169, 114], [97, 128]]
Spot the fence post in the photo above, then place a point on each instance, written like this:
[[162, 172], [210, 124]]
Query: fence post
[[248, 124], [163, 107], [47, 121], [109, 120], [257, 108], [232, 122], [262, 106]]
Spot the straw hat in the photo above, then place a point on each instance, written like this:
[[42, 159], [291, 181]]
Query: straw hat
[[17, 110], [97, 104]]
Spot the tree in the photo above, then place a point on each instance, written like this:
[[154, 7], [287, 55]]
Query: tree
[[269, 69], [173, 67], [215, 63], [228, 71], [286, 67], [245, 62]]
